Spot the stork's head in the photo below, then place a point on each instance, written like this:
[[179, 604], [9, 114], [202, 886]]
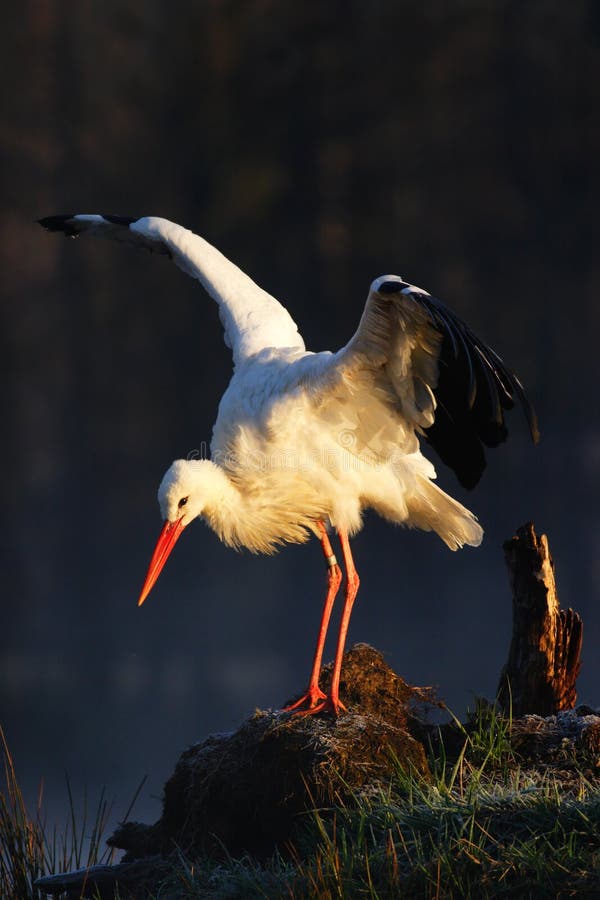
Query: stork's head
[[182, 497], [180, 494]]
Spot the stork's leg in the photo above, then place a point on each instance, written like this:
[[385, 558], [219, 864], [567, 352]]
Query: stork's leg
[[309, 702], [352, 584]]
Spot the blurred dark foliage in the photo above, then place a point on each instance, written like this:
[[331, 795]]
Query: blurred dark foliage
[[318, 145]]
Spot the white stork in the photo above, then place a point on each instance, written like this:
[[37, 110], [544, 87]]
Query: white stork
[[305, 442]]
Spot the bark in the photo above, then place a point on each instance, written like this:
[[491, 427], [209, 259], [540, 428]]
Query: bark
[[543, 663]]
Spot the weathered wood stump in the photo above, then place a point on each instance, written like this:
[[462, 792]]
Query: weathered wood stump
[[543, 663]]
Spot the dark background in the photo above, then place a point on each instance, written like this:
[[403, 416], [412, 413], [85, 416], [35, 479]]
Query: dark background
[[318, 145]]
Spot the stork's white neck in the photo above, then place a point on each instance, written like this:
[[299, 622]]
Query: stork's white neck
[[223, 502], [192, 488], [241, 515]]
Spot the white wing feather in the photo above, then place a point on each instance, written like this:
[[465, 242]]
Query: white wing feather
[[253, 320], [398, 345]]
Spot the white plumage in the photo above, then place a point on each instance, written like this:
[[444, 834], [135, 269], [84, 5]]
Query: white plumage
[[307, 441]]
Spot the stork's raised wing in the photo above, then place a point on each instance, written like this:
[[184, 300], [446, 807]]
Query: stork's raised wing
[[252, 319], [448, 383]]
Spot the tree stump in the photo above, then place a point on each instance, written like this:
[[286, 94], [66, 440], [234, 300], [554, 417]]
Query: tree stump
[[543, 663]]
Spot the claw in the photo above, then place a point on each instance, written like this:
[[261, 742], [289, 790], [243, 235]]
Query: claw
[[311, 698], [327, 704]]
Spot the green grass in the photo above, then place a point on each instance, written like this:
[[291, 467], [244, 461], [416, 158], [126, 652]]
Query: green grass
[[481, 826], [29, 848], [501, 840]]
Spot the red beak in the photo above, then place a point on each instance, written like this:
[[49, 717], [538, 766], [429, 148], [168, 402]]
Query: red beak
[[165, 543]]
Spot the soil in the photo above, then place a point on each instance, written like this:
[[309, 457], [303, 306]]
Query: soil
[[251, 790], [254, 790]]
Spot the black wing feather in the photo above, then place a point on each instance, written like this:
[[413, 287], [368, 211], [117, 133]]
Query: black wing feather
[[104, 226], [473, 392]]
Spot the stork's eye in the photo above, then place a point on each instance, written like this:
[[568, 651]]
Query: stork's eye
[[182, 502]]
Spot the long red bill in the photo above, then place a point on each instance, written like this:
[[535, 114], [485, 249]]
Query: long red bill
[[165, 543]]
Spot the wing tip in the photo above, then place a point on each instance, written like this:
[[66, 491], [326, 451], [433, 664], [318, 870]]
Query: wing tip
[[71, 225], [530, 413], [534, 428], [531, 416], [59, 223]]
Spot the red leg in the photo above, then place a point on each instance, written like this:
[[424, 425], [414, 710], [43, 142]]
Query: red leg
[[310, 701], [352, 585]]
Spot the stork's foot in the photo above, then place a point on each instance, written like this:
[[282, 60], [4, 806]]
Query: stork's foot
[[329, 705], [308, 702], [315, 701]]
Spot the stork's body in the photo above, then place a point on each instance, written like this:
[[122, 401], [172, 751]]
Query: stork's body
[[305, 442]]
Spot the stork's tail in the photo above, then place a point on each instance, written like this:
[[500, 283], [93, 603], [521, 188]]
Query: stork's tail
[[433, 510]]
